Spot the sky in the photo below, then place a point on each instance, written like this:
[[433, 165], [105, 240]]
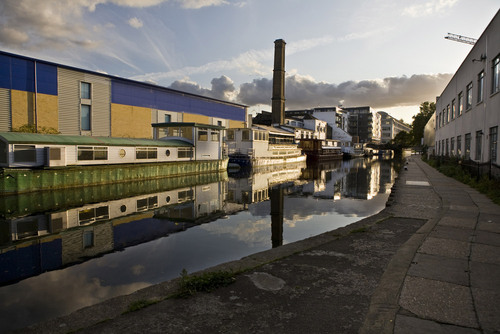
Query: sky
[[390, 55]]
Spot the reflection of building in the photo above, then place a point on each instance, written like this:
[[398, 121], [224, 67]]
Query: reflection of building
[[255, 187], [49, 241]]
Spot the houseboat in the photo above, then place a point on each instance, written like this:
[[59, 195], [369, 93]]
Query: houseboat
[[321, 150], [32, 162], [262, 145]]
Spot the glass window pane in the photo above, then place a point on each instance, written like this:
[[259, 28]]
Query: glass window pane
[[85, 90], [85, 117]]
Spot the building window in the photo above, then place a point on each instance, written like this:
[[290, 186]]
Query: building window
[[480, 86], [460, 103], [92, 153], [468, 102], [88, 239], [493, 143], [146, 153], [85, 117], [168, 118], [447, 145], [459, 146], [453, 109], [452, 145], [85, 90], [24, 153], [448, 113], [495, 86], [479, 142], [185, 152], [467, 146], [203, 134]]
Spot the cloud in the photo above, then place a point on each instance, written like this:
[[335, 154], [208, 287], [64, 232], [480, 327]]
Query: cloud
[[305, 92], [59, 24], [135, 23], [428, 8], [222, 88]]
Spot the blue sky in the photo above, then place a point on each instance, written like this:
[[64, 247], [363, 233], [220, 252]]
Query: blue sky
[[388, 54]]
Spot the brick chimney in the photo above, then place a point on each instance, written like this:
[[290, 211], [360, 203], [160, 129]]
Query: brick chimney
[[278, 99]]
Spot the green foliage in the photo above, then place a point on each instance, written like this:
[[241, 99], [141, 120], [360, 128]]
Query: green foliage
[[140, 304], [360, 230], [403, 139], [206, 282], [427, 109], [485, 185], [30, 128]]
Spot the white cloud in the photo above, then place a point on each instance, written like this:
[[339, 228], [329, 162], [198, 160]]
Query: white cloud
[[428, 8], [135, 22]]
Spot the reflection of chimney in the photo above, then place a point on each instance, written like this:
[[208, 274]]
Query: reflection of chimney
[[276, 197], [278, 99]]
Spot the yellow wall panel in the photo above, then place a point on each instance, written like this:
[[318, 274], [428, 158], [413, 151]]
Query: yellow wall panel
[[190, 118], [22, 108], [236, 124], [130, 121], [47, 111]]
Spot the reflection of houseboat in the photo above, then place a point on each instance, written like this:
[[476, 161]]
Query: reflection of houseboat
[[262, 145], [178, 148], [30, 245], [357, 151], [320, 150]]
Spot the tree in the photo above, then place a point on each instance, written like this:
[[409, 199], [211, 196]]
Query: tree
[[403, 139], [427, 109], [30, 128]]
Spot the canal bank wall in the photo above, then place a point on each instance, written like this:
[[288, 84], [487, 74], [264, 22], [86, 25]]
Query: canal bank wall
[[18, 181], [426, 263]]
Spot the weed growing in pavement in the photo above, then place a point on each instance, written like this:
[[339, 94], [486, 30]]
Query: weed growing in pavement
[[140, 304], [206, 282]]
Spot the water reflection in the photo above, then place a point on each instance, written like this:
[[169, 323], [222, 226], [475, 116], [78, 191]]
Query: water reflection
[[64, 250]]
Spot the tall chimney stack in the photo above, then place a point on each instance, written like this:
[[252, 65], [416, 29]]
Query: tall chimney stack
[[278, 99]]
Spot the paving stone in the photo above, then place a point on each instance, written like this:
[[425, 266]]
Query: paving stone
[[440, 268], [445, 247], [488, 309], [405, 324], [484, 275], [485, 253], [441, 301]]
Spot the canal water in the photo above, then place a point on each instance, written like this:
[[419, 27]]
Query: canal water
[[64, 250]]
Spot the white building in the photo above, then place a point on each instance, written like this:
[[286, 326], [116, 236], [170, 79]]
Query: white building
[[390, 127], [468, 110]]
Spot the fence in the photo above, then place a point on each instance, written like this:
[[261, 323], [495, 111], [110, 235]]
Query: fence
[[475, 169]]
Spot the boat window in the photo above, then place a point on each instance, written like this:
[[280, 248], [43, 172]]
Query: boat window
[[215, 135], [92, 153], [245, 135], [202, 134], [146, 153], [185, 152], [24, 153]]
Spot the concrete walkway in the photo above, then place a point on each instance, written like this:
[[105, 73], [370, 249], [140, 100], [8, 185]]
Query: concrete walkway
[[428, 263]]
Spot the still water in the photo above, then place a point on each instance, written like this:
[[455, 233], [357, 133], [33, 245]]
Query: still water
[[64, 250]]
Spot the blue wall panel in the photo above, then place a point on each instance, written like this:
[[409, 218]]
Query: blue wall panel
[[128, 93], [19, 74]]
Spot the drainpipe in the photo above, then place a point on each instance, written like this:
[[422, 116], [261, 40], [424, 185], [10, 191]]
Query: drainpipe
[[35, 104]]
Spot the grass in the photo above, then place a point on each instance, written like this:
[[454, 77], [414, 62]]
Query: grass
[[359, 230], [140, 304], [206, 282]]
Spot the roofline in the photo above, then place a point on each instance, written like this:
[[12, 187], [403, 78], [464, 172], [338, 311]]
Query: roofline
[[118, 78], [178, 124]]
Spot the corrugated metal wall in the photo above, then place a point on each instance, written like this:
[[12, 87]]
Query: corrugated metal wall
[[5, 115], [69, 102]]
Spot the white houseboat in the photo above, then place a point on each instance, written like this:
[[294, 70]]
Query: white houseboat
[[262, 145]]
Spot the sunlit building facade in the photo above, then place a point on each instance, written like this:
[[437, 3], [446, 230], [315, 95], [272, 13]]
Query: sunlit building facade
[[72, 101], [467, 114]]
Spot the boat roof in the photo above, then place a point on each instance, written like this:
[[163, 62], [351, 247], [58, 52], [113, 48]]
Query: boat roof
[[274, 130], [38, 138]]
